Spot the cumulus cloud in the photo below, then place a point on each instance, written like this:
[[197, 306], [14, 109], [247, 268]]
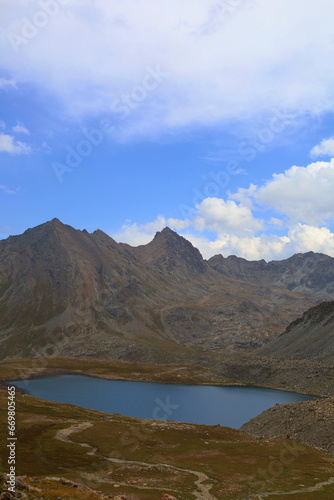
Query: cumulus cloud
[[299, 239], [139, 234], [214, 73], [325, 148], [250, 247], [222, 216], [266, 247], [311, 238], [9, 145], [304, 194]]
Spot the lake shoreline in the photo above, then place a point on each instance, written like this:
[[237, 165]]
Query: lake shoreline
[[227, 405], [49, 372]]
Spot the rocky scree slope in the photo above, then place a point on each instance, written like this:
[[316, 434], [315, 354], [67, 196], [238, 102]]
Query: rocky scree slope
[[311, 422], [309, 337]]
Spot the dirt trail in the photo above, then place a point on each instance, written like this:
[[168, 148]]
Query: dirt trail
[[201, 493], [311, 489]]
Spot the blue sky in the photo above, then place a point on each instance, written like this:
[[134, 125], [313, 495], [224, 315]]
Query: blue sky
[[215, 118]]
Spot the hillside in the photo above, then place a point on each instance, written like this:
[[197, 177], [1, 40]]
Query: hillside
[[309, 337], [69, 292], [311, 422]]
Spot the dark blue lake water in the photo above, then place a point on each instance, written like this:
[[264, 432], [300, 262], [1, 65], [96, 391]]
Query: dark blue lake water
[[227, 406]]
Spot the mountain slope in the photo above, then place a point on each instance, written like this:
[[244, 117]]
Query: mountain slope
[[56, 279], [69, 292], [309, 337]]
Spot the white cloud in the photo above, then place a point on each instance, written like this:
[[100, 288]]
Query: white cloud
[[213, 214], [266, 247], [299, 239], [325, 148], [140, 234], [216, 214], [245, 196], [246, 64], [252, 247], [304, 194], [7, 84], [20, 128], [9, 145], [306, 238]]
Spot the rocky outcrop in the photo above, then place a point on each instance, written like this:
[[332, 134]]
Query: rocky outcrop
[[310, 422]]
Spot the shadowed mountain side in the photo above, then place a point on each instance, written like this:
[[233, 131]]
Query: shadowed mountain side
[[309, 337], [69, 292]]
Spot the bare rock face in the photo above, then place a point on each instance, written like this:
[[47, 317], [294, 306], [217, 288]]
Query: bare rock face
[[171, 253], [74, 293], [167, 497]]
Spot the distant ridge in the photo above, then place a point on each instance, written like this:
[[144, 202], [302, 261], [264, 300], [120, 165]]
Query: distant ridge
[[303, 272]]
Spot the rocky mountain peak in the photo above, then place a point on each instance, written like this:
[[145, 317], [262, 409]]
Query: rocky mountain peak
[[168, 250], [167, 231]]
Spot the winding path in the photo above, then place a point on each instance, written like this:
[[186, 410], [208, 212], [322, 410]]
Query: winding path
[[201, 493], [310, 489]]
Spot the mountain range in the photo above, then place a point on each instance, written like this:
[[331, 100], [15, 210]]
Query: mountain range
[[69, 292]]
